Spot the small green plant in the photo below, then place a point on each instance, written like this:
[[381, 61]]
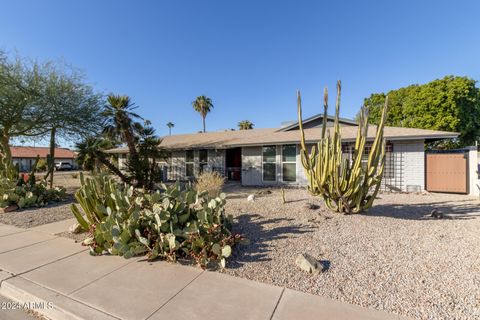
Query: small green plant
[[345, 185], [211, 182]]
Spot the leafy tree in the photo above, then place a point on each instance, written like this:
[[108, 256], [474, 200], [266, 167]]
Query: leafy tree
[[449, 104], [20, 114], [203, 105], [170, 125], [245, 125], [74, 110]]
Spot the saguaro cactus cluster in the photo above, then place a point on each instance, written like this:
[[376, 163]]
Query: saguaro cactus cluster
[[345, 184]]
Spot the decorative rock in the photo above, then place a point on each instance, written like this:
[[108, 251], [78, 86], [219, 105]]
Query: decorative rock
[[251, 198], [312, 206], [263, 192], [436, 214], [308, 263], [75, 228], [10, 208]]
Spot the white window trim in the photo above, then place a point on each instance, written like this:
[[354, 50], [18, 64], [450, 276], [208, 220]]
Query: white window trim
[[294, 162], [275, 163]]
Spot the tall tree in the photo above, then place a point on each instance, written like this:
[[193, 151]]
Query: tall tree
[[120, 124], [20, 113], [74, 110], [120, 121], [170, 125], [245, 125], [203, 105], [450, 104]]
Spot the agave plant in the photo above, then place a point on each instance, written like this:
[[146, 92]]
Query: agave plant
[[345, 184]]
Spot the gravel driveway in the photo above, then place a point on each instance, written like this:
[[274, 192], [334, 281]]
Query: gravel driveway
[[395, 257]]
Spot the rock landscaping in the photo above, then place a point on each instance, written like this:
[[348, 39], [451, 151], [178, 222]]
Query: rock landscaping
[[395, 257]]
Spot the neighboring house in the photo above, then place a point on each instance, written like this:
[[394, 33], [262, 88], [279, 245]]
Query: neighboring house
[[26, 156], [260, 157]]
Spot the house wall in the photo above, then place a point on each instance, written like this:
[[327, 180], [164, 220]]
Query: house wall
[[408, 157], [177, 168], [413, 154], [252, 168]]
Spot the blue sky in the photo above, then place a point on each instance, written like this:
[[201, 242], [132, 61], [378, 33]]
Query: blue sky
[[248, 56]]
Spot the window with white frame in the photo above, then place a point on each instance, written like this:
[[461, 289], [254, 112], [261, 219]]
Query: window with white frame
[[289, 163], [189, 163], [269, 156]]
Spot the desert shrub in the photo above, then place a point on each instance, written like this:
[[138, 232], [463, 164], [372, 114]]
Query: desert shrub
[[211, 182], [75, 175], [168, 224], [24, 191], [42, 165]]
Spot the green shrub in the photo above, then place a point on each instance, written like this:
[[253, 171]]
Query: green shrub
[[211, 182], [168, 224], [25, 192], [42, 165]]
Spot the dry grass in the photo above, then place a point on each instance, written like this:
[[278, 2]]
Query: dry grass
[[212, 182]]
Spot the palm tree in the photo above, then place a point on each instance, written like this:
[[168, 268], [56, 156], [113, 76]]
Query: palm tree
[[203, 105], [245, 125], [90, 150], [170, 125], [120, 122]]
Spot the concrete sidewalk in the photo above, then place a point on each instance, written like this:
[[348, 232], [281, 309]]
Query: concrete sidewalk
[[65, 282]]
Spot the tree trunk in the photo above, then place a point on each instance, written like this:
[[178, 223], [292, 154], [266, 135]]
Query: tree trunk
[[51, 169], [114, 169], [134, 158], [203, 118], [5, 147]]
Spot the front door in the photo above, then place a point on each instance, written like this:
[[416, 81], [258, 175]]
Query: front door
[[233, 164]]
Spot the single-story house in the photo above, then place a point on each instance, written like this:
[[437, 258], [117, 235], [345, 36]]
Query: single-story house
[[26, 156], [260, 157]]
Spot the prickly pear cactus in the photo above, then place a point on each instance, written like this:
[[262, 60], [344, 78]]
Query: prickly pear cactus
[[345, 185]]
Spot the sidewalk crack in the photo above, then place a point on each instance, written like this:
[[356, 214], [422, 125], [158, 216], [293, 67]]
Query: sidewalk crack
[[278, 302], [176, 294]]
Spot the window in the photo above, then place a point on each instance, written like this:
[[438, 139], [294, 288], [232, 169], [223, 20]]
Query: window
[[189, 163], [269, 163], [202, 159], [289, 163]]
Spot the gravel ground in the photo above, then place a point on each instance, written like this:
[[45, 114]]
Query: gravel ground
[[394, 258], [32, 217]]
